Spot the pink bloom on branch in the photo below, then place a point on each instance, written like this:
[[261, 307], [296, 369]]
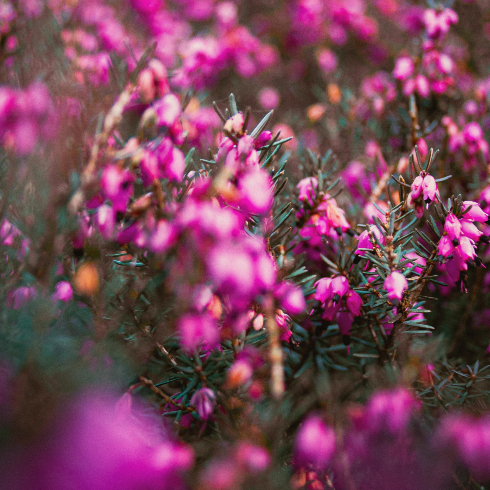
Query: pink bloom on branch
[[353, 302], [256, 192], [197, 330], [167, 110], [204, 400], [314, 445], [452, 227], [417, 187], [429, 189], [291, 298], [395, 284], [475, 212], [403, 68], [64, 292]]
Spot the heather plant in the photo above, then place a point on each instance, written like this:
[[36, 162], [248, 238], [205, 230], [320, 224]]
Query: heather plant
[[245, 245]]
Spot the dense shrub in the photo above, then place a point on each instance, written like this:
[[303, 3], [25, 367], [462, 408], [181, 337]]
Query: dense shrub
[[281, 288]]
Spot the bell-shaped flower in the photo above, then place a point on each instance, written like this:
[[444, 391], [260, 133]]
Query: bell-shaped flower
[[307, 188], [445, 247], [417, 187], [452, 227], [403, 68], [469, 230], [64, 292], [330, 310], [323, 289], [353, 302], [475, 212], [365, 240], [204, 400], [395, 284], [117, 185], [466, 249], [429, 189], [339, 286], [344, 321], [105, 221]]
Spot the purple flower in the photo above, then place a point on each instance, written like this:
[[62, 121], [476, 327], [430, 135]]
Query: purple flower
[[204, 401]]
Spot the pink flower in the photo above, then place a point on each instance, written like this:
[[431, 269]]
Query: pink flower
[[204, 400], [344, 321], [197, 330], [417, 186], [167, 110], [389, 410], [291, 298], [475, 212], [307, 189], [314, 445], [323, 289], [254, 458], [452, 227], [353, 302], [64, 292], [445, 247], [403, 68], [469, 230], [429, 188], [117, 185], [256, 192], [339, 286], [395, 284]]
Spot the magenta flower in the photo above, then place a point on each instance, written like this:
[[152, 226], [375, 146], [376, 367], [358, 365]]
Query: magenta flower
[[389, 410], [469, 230], [64, 292], [445, 247], [314, 445], [395, 284], [204, 401], [344, 321], [403, 68], [256, 192], [197, 330], [117, 185], [475, 212], [167, 110], [291, 298], [365, 240], [307, 188], [429, 189], [452, 227], [105, 221], [353, 302], [96, 445], [254, 458]]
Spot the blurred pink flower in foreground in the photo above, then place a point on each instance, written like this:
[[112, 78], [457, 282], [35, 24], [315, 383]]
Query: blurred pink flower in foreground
[[98, 444]]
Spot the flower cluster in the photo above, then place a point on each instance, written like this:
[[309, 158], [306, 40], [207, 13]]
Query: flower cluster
[[26, 116]]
